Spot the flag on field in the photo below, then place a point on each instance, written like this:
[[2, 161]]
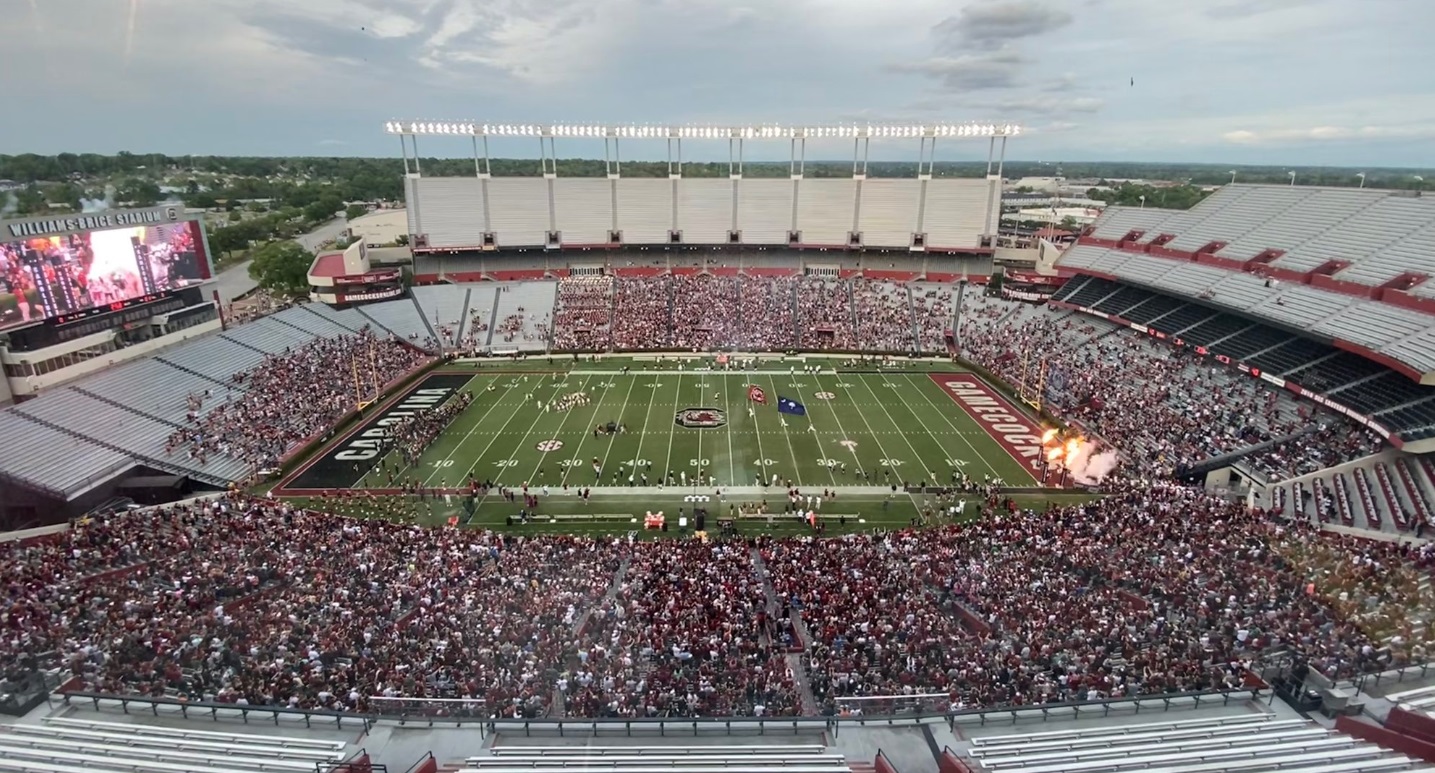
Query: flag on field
[[789, 405], [755, 394]]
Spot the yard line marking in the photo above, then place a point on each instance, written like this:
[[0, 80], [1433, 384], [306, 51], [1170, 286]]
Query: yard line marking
[[614, 436], [727, 408], [494, 439], [796, 468], [963, 435], [756, 430], [916, 457], [643, 433], [587, 431], [673, 429], [820, 450], [856, 460], [567, 415], [877, 435], [465, 437]]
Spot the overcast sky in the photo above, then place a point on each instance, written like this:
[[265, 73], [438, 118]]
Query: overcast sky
[[1347, 82]]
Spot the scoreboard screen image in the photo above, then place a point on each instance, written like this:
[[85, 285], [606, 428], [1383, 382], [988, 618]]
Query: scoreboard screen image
[[66, 275]]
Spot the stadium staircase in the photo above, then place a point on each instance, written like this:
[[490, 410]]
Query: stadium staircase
[[1229, 458], [461, 325], [796, 330], [126, 408], [492, 320], [916, 327], [553, 328], [805, 696], [251, 348], [328, 320], [193, 372], [379, 325], [428, 325], [148, 461], [852, 306], [290, 323]]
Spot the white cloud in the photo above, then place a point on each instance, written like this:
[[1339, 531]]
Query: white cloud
[[1329, 134], [991, 70]]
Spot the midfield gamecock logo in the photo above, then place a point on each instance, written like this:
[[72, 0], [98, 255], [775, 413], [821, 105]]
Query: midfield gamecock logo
[[700, 418]]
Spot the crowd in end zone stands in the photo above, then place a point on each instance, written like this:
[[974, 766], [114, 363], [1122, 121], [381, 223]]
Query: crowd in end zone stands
[[1167, 409], [291, 397], [253, 602]]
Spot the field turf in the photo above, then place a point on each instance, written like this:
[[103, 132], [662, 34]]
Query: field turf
[[863, 433]]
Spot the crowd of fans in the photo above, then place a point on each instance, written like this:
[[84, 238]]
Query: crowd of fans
[[292, 397], [255, 602], [885, 318], [1164, 408], [583, 315], [689, 634]]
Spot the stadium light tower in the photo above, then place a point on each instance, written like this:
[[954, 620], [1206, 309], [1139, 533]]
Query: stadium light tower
[[1361, 175]]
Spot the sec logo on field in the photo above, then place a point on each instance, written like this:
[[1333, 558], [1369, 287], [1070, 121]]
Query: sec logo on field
[[549, 445]]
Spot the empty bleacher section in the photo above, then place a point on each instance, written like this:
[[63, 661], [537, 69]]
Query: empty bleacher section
[[584, 210], [1392, 399], [637, 758], [519, 211], [888, 212], [705, 212], [525, 316], [456, 212], [69, 744], [645, 210], [444, 308], [764, 210], [1251, 742], [401, 317], [450, 211], [825, 210], [46, 458], [1331, 251]]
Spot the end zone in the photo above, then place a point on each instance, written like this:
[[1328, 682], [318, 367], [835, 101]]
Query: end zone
[[1011, 428], [334, 466]]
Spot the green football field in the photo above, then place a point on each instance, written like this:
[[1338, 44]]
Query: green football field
[[860, 429]]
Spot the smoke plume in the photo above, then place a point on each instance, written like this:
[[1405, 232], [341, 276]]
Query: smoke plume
[[99, 205], [1088, 468]]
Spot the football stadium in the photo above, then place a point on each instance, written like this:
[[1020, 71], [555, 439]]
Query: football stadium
[[731, 473]]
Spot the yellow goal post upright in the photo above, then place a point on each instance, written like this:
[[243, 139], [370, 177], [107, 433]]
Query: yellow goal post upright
[[366, 391], [1031, 383]]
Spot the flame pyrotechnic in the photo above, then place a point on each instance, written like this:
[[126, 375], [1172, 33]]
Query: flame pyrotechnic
[[1079, 457]]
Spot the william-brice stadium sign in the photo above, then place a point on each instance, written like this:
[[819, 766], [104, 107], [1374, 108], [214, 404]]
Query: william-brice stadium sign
[[24, 229]]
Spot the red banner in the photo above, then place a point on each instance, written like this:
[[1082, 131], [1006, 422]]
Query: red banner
[[755, 394]]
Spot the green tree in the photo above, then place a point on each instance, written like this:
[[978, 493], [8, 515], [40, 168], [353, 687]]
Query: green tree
[[325, 207], [355, 210], [282, 268], [30, 200], [142, 193]]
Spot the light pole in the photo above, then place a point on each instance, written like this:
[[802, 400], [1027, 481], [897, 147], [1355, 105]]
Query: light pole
[[1361, 175], [1233, 177], [1292, 174], [1143, 201]]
